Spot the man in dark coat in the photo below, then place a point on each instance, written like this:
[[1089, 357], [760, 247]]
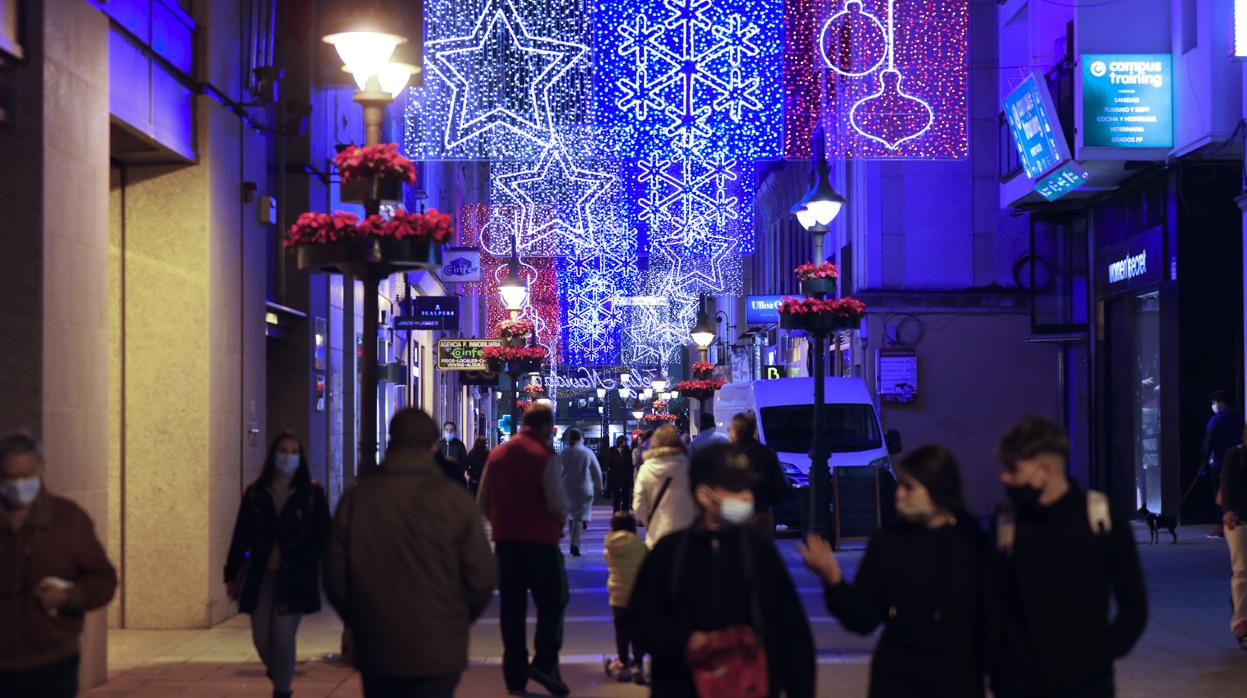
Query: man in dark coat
[[1060, 554], [410, 618], [1223, 433], [769, 485], [619, 474], [452, 455]]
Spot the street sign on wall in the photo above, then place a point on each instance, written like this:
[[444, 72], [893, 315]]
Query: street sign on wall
[[461, 265], [1127, 100], [762, 310], [897, 375], [430, 313], [463, 354]]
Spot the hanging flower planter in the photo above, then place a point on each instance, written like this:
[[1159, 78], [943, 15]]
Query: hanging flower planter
[[359, 190], [817, 315], [515, 360], [341, 243], [702, 370], [373, 173], [702, 390], [514, 332], [818, 279], [658, 418]]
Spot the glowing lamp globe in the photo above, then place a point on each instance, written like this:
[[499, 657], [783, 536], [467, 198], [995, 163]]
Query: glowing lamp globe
[[601, 393], [659, 384], [393, 77], [637, 414], [703, 334], [514, 292], [624, 392], [364, 53]]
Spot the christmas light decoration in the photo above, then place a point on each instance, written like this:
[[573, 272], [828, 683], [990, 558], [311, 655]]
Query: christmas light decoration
[[501, 76], [895, 78], [591, 318]]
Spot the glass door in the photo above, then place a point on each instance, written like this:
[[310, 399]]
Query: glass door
[[1147, 414]]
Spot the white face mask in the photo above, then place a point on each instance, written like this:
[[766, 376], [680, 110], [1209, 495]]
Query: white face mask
[[448, 435], [19, 492], [1216, 409], [287, 463], [736, 511], [912, 511]]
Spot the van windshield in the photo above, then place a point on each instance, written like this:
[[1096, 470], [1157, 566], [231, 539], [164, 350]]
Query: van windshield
[[787, 428]]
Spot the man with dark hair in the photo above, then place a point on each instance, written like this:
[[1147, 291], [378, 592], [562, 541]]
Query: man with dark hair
[[522, 495], [452, 455], [1060, 553], [769, 485], [54, 572], [714, 577], [707, 434], [409, 619], [1223, 433]]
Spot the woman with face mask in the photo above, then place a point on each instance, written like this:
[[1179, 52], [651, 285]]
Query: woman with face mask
[[718, 585], [921, 579], [273, 566]]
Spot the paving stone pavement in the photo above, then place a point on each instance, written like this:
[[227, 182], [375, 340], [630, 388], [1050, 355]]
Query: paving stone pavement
[[1187, 650]]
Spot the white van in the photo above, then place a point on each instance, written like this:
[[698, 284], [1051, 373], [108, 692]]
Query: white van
[[785, 409]]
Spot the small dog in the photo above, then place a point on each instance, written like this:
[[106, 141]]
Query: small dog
[[1156, 522]]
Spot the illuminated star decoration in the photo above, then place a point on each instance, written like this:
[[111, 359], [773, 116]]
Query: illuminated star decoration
[[556, 185], [503, 75], [896, 76]]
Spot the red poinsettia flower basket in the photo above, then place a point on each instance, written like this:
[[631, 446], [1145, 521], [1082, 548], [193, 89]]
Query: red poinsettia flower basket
[[373, 172], [658, 418], [514, 359], [701, 389], [703, 369], [818, 278], [660, 406], [514, 332], [342, 243], [817, 314], [523, 404], [534, 390]]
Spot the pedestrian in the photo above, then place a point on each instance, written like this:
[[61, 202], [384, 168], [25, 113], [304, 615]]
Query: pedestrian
[[522, 495], [409, 568], [1062, 558], [476, 464], [707, 433], [624, 554], [1233, 498], [54, 572], [770, 486], [582, 481], [272, 568], [1221, 434], [717, 587], [452, 455], [638, 451], [620, 469], [921, 578], [663, 500]]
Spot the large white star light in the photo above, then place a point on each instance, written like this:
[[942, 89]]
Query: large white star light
[[503, 75], [556, 187]]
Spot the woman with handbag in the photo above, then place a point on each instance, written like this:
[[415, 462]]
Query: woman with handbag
[[273, 566], [921, 578], [714, 604], [661, 495]]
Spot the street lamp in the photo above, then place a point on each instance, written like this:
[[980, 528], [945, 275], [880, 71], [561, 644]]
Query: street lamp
[[601, 393], [815, 212], [512, 288], [659, 384], [703, 333]]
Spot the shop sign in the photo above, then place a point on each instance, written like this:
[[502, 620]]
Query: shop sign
[[461, 265], [896, 378], [430, 313], [1127, 100], [770, 372], [1136, 263], [464, 354], [762, 310], [1035, 126], [1065, 180]]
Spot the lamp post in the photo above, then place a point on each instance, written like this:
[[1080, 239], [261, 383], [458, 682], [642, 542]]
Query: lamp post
[[601, 393], [703, 335], [514, 293], [367, 56], [815, 212]]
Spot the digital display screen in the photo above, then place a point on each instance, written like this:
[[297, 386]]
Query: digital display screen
[[1065, 180], [1035, 126]]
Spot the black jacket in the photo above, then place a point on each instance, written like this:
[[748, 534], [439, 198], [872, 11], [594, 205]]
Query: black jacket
[[301, 529], [770, 486], [1224, 431], [619, 469], [454, 450], [1051, 622], [1234, 482], [925, 587], [711, 592]]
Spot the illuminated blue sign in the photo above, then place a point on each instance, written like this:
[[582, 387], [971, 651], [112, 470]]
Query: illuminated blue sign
[[1127, 101], [1035, 127], [762, 310], [1065, 180]]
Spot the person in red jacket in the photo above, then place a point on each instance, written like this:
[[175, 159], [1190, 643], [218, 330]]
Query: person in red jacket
[[522, 496]]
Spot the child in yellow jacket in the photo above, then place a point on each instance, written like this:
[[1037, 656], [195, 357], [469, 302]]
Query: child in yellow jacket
[[624, 553]]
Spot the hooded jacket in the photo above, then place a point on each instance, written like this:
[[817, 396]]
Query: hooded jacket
[[676, 510], [624, 554]]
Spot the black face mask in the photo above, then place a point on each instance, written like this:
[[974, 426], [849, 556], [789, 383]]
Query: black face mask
[[1024, 497]]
